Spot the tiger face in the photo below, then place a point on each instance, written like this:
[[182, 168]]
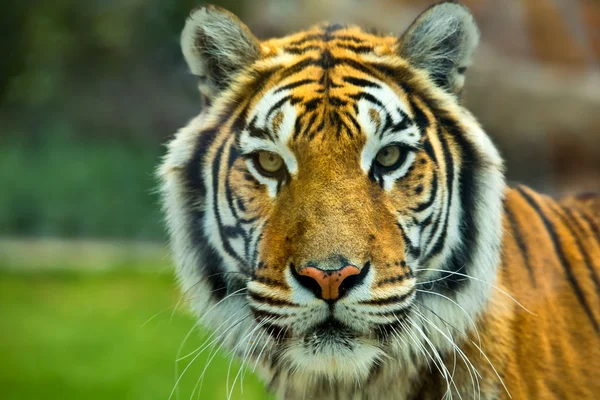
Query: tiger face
[[328, 184]]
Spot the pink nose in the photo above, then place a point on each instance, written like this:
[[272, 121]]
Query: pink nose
[[329, 281]]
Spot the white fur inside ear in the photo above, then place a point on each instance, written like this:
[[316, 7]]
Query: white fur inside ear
[[216, 44], [188, 44], [442, 41]]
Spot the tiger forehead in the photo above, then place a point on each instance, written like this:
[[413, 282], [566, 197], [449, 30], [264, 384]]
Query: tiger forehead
[[321, 86], [334, 37], [329, 103]]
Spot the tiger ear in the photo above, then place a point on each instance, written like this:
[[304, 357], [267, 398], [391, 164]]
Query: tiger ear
[[216, 45], [442, 41]]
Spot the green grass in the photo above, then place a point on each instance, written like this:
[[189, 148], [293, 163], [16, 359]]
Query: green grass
[[88, 336], [71, 187]]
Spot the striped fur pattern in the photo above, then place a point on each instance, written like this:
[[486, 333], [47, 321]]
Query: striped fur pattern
[[467, 289]]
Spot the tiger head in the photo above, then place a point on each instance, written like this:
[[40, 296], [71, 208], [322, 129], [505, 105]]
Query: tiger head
[[333, 192]]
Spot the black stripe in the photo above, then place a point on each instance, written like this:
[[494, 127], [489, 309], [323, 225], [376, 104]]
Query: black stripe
[[262, 315], [462, 256], [349, 38], [390, 300], [327, 61], [300, 49], [576, 232], [561, 256], [294, 85], [429, 150], [261, 78], [387, 124], [297, 127], [420, 117], [354, 122], [401, 125], [269, 300], [276, 106], [255, 253], [240, 204], [426, 222], [312, 104], [298, 67], [360, 82], [396, 279], [336, 101], [434, 187], [415, 251], [305, 39], [226, 232], [260, 133], [319, 128], [247, 244], [355, 64], [399, 75], [212, 265], [233, 156], [360, 49], [516, 233], [270, 282], [193, 175], [308, 125], [210, 260], [592, 222], [338, 123], [369, 97], [439, 245]]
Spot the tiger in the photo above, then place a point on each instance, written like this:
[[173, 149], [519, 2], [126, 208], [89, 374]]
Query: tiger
[[342, 223]]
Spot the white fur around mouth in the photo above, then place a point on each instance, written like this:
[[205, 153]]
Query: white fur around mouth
[[344, 359]]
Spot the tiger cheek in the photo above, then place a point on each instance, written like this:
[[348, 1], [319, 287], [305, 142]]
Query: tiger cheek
[[251, 198], [274, 252], [414, 188]]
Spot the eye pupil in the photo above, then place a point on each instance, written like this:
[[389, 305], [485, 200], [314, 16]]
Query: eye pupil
[[268, 162], [388, 156]]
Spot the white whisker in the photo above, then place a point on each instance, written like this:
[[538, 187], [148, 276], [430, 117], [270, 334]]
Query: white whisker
[[494, 368], [194, 359], [439, 362], [455, 348], [450, 273], [460, 307]]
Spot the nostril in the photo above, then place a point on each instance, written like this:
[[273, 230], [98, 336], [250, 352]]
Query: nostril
[[307, 281], [328, 285], [353, 280]]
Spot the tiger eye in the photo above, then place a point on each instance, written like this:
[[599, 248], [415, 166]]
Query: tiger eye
[[269, 162], [388, 156]]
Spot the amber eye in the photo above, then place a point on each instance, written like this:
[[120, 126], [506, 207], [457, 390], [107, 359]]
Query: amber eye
[[389, 156], [268, 163]]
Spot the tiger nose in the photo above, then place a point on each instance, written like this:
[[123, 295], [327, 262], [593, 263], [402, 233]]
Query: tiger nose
[[332, 283]]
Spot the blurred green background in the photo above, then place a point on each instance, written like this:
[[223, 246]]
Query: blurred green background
[[91, 90], [89, 93]]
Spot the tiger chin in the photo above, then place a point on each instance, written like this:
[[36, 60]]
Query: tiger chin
[[341, 222]]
